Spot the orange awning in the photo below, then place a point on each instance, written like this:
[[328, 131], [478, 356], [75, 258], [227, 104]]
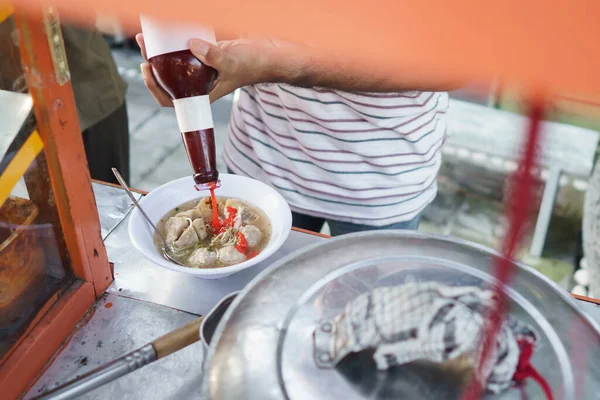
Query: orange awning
[[552, 44]]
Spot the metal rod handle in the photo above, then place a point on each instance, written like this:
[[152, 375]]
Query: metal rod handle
[[102, 375], [163, 346]]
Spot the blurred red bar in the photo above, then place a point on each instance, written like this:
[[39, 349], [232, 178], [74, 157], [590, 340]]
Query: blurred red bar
[[529, 42]]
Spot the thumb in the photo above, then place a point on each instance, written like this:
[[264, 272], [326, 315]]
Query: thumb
[[211, 55]]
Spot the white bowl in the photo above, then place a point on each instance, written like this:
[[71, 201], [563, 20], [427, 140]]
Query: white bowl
[[170, 195]]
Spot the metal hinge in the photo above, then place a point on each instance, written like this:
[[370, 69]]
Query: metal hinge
[[57, 48]]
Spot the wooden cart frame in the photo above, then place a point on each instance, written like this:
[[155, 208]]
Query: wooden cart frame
[[45, 67]]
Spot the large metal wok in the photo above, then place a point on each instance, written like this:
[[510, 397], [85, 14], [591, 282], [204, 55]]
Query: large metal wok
[[263, 344], [263, 348]]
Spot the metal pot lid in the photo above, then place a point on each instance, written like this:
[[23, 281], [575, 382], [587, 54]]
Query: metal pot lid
[[264, 347]]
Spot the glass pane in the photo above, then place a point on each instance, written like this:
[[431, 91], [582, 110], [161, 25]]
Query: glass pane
[[33, 261], [34, 266]]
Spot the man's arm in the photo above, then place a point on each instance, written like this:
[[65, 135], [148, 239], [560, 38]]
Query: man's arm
[[246, 62], [301, 66]]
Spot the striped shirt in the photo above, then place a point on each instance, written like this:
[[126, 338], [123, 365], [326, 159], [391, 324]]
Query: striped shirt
[[363, 158]]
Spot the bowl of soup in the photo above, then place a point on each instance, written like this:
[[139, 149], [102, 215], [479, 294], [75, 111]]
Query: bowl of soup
[[250, 222]]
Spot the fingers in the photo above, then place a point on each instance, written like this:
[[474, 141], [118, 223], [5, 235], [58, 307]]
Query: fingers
[[216, 93], [161, 97], [157, 92], [207, 53], [139, 38], [213, 56], [221, 89]]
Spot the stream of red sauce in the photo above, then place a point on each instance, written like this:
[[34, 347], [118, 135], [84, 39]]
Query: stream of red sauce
[[216, 223], [504, 269]]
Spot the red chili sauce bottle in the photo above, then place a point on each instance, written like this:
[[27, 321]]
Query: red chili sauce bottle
[[188, 82]]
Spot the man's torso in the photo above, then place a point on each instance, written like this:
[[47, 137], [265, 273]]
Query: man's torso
[[362, 158]]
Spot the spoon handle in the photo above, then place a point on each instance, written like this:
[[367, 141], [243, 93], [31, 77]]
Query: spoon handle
[[137, 205]]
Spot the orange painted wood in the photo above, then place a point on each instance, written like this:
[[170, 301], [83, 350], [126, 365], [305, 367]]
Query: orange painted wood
[[588, 299], [144, 192], [72, 196], [58, 126], [21, 368], [119, 187], [531, 42], [311, 233]]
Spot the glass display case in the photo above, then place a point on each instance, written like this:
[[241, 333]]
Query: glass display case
[[53, 264]]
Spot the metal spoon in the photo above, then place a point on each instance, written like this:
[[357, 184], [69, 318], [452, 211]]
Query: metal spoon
[[164, 246]]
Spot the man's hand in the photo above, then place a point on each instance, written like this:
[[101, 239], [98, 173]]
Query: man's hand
[[239, 63]]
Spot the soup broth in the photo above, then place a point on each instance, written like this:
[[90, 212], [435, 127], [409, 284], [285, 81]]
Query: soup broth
[[198, 241]]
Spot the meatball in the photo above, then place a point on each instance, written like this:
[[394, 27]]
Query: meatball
[[234, 203], [191, 214], [205, 208], [204, 203], [202, 258], [229, 255], [187, 239], [244, 214], [206, 214], [175, 227], [247, 216], [252, 234], [200, 228]]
